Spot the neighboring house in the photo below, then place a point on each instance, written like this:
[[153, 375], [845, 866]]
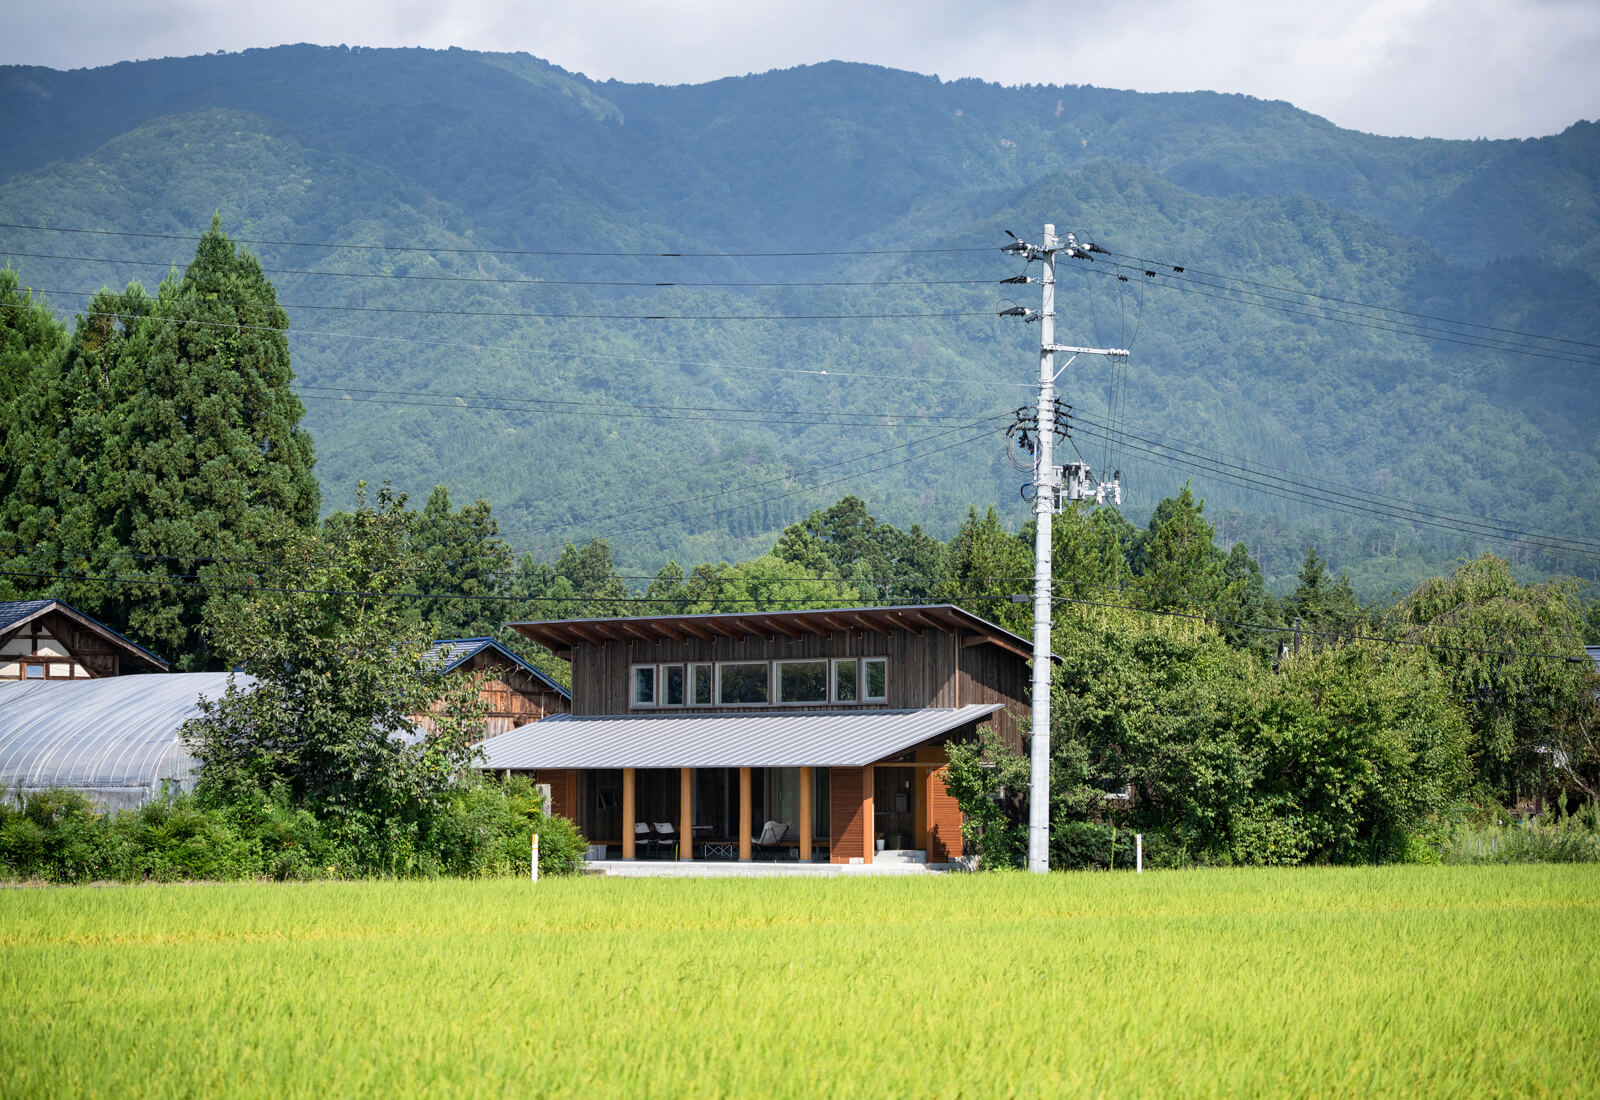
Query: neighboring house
[[115, 739], [52, 640], [832, 725], [516, 692]]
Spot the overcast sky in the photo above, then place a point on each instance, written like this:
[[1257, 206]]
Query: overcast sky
[[1440, 68]]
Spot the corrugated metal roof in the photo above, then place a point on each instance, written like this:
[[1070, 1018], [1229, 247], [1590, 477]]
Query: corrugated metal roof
[[453, 652], [816, 739], [121, 731]]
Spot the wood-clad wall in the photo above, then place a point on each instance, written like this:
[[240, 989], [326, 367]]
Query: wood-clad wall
[[922, 668], [989, 674], [848, 835]]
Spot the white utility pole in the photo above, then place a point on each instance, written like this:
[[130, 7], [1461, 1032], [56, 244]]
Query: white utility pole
[[1047, 484]]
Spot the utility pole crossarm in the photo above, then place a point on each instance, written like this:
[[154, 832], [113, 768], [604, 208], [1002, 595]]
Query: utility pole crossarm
[[1068, 349]]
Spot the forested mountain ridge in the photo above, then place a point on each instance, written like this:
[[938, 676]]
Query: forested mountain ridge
[[444, 150]]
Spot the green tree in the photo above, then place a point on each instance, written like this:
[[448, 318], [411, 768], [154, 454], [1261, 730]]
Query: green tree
[[167, 445], [1178, 565], [879, 560], [985, 566], [464, 565], [1362, 750], [1326, 610], [1513, 654], [988, 779], [31, 342], [337, 666]]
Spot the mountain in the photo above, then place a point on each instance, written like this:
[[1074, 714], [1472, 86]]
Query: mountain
[[467, 245]]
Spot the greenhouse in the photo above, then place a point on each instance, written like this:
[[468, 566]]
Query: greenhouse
[[118, 740]]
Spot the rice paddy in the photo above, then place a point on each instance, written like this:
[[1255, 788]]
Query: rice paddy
[[1433, 980]]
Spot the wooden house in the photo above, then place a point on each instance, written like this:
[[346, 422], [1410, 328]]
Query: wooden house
[[516, 692], [798, 734], [52, 640]]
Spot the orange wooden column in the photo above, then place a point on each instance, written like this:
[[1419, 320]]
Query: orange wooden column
[[744, 814], [627, 813], [686, 813], [869, 829], [805, 815]]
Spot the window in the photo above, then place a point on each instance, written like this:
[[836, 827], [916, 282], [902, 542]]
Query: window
[[672, 685], [744, 683], [846, 681], [875, 679], [802, 681], [701, 688], [644, 685], [32, 671]]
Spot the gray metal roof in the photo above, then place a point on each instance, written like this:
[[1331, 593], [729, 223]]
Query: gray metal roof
[[451, 653], [817, 739], [97, 735], [1594, 655]]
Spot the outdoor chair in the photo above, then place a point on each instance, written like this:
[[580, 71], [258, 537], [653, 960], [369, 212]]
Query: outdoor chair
[[643, 839], [667, 837], [770, 842]]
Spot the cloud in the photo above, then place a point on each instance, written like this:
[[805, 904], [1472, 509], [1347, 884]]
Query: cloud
[[1449, 68]]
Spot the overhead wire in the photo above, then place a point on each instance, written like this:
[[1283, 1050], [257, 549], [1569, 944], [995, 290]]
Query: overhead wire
[[458, 251]]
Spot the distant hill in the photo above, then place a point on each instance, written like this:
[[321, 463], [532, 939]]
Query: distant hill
[[880, 199]]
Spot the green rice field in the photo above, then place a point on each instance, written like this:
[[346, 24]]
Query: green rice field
[[1453, 981]]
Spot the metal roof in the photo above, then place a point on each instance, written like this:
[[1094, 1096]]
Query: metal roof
[[816, 739], [560, 635], [116, 732], [452, 653], [18, 612]]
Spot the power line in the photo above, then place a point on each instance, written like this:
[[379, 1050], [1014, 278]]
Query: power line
[[1291, 491], [508, 350], [1459, 522], [603, 254], [531, 316], [797, 417], [1187, 286], [1184, 269], [524, 281]]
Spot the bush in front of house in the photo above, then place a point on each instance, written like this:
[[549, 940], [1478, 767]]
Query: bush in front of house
[[483, 828]]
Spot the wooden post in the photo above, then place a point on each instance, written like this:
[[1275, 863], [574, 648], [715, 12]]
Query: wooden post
[[869, 827], [805, 815], [744, 815], [627, 813], [686, 813]]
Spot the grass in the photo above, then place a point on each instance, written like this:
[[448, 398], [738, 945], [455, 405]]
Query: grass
[[1464, 981]]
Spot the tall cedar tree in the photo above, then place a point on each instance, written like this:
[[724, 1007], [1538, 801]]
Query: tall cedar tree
[[31, 339], [167, 443]]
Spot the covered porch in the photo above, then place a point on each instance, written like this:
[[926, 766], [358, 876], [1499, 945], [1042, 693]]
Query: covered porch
[[786, 789]]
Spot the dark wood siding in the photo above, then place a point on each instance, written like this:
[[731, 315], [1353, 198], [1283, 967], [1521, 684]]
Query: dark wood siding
[[924, 670], [989, 674]]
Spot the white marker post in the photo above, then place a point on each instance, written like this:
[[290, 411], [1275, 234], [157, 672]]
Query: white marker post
[[533, 864], [1138, 853]]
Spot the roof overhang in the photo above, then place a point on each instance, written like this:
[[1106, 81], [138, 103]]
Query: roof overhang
[[826, 739], [563, 635]]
